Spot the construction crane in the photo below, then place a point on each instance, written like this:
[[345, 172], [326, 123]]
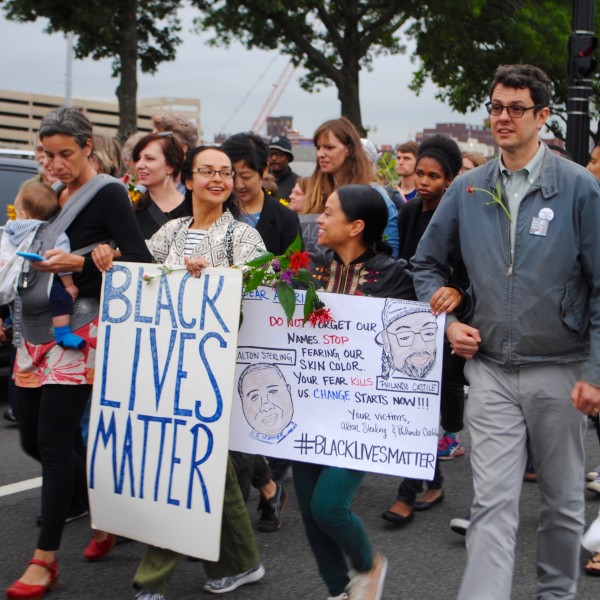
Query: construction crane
[[274, 96]]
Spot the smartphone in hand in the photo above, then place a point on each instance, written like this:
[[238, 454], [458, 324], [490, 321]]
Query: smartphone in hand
[[32, 256]]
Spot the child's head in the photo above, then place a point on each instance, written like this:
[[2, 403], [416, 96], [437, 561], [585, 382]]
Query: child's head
[[438, 163], [36, 201]]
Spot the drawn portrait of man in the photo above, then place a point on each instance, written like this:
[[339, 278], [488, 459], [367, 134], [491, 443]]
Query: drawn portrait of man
[[408, 340], [266, 402]]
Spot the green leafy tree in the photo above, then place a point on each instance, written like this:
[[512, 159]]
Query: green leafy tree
[[460, 43], [332, 39], [131, 32]]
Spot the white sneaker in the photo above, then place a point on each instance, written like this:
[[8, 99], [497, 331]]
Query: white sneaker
[[144, 595], [228, 584], [594, 486], [343, 596], [594, 474], [460, 525], [369, 585]]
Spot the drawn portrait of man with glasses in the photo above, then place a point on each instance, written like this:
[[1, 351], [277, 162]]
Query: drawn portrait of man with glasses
[[408, 340], [267, 402]]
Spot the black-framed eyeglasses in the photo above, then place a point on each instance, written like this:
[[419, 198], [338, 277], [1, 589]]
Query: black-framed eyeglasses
[[210, 172], [515, 111], [406, 337]]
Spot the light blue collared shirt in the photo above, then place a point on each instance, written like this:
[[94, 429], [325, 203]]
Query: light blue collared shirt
[[517, 183]]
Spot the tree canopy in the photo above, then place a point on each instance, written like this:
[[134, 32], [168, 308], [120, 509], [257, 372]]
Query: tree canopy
[[128, 31], [332, 39], [459, 45]]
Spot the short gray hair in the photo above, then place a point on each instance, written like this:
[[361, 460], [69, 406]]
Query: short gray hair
[[66, 121]]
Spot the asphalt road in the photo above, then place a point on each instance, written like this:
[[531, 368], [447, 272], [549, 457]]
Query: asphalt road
[[425, 558]]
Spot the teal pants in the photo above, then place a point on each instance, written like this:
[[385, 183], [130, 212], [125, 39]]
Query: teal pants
[[239, 552], [334, 533]]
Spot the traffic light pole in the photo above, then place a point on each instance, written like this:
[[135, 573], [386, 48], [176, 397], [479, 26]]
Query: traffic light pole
[[582, 43]]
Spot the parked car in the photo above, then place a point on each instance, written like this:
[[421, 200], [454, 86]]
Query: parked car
[[13, 172]]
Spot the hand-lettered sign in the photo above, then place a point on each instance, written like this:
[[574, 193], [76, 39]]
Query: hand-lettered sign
[[159, 427], [361, 392]]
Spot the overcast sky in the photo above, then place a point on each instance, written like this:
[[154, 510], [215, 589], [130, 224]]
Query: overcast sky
[[221, 78]]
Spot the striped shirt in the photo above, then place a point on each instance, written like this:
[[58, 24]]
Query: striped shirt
[[193, 238]]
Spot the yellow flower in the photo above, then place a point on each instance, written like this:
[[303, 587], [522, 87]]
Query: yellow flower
[[284, 201], [11, 213], [134, 195]]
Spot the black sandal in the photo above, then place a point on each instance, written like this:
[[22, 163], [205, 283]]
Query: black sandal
[[594, 571]]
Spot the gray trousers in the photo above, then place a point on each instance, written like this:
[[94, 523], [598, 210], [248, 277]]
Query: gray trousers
[[502, 406]]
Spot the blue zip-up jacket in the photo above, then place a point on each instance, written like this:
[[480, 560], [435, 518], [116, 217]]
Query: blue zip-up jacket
[[543, 305]]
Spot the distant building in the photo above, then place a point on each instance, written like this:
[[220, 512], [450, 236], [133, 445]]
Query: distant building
[[470, 138], [21, 113], [279, 126]]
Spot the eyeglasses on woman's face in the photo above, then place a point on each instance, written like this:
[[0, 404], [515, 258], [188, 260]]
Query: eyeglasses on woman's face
[[210, 172]]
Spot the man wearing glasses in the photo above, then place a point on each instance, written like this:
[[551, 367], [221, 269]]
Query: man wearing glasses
[[408, 340], [526, 226]]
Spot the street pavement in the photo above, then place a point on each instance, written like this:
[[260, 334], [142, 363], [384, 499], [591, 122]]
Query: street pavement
[[425, 557]]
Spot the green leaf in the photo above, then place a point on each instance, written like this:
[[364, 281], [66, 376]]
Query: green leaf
[[259, 261], [254, 281], [287, 298], [302, 275], [284, 263], [296, 245], [309, 301]]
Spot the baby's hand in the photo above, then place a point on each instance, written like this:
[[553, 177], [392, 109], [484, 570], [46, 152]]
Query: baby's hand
[[73, 291]]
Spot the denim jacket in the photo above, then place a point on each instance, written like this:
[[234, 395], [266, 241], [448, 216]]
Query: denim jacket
[[542, 305]]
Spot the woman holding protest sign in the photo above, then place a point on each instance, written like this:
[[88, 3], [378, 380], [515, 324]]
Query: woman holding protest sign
[[210, 237], [358, 262], [54, 383]]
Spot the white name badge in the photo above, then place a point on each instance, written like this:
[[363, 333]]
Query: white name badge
[[539, 226]]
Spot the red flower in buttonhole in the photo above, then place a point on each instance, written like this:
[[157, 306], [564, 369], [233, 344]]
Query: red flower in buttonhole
[[496, 196], [299, 260]]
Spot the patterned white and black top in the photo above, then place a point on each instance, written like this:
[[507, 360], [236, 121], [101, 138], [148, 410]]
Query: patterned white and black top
[[227, 242]]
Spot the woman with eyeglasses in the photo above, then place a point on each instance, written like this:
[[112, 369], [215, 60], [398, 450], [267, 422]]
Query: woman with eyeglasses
[[211, 237], [158, 160]]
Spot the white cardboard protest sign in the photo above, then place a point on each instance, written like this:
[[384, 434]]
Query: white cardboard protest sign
[[159, 426], [361, 392]]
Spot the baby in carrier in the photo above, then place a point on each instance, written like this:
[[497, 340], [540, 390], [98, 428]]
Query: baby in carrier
[[35, 204]]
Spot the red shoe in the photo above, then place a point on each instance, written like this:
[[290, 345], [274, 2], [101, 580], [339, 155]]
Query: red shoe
[[26, 591], [98, 550]]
